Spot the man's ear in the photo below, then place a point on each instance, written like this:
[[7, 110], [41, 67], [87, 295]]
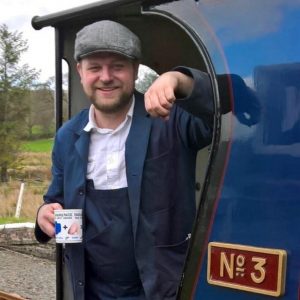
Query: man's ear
[[79, 69]]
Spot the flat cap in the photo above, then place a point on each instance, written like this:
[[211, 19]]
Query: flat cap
[[106, 36]]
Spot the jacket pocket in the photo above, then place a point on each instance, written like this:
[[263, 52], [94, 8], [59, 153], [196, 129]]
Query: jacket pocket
[[158, 185]]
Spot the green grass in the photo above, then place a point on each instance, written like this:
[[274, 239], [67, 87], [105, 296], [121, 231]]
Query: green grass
[[42, 145], [9, 220]]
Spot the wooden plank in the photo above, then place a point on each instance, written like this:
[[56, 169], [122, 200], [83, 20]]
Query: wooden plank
[[6, 296]]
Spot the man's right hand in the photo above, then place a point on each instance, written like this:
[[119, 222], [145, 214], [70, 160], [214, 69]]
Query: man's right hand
[[160, 96], [45, 218]]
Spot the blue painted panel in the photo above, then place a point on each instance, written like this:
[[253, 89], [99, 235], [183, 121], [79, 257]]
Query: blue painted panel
[[259, 203]]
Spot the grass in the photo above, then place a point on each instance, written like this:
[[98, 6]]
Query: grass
[[32, 199], [34, 170], [37, 146], [9, 220]]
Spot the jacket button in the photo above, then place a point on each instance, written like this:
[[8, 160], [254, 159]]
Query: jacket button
[[81, 193], [80, 283]]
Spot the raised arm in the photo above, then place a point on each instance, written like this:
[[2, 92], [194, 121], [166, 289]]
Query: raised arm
[[162, 94], [189, 88]]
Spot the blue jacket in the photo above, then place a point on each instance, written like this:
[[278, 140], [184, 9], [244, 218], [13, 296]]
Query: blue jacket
[[160, 165]]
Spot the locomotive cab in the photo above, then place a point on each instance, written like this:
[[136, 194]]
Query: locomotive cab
[[168, 40]]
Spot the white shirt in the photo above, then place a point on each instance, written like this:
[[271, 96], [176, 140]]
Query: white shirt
[[106, 160]]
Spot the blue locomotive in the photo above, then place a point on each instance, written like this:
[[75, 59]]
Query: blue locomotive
[[246, 240]]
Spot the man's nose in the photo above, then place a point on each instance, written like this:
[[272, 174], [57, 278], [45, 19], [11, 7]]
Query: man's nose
[[106, 74]]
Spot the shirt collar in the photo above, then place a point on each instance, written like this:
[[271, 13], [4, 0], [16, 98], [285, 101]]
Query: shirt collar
[[92, 125]]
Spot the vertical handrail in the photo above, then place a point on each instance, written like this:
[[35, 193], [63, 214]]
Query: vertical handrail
[[59, 120]]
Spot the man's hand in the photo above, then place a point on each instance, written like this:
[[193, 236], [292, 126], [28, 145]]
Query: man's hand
[[160, 96], [45, 218]]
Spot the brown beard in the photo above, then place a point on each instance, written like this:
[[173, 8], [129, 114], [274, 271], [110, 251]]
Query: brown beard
[[115, 107]]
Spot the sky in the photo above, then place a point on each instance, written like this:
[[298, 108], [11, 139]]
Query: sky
[[17, 15]]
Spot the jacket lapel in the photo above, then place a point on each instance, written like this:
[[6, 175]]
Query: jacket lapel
[[82, 146], [83, 138], [136, 149]]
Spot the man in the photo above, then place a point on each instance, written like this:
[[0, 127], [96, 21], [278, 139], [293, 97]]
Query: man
[[132, 174]]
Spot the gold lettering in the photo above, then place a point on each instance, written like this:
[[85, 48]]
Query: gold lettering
[[240, 260], [259, 267], [228, 265]]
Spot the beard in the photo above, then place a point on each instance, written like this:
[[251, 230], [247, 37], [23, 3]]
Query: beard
[[114, 106]]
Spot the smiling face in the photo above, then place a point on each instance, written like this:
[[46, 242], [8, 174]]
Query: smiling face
[[108, 81]]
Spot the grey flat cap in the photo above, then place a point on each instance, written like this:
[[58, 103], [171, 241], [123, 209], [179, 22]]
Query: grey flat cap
[[106, 36]]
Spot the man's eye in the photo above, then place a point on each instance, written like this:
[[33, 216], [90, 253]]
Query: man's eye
[[94, 68], [118, 67]]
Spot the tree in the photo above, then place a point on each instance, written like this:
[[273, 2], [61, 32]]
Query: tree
[[15, 83], [40, 102]]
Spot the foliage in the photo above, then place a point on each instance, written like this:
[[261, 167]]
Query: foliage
[[145, 77], [40, 114], [15, 83]]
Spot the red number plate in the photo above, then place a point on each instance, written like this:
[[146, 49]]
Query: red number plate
[[252, 269]]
